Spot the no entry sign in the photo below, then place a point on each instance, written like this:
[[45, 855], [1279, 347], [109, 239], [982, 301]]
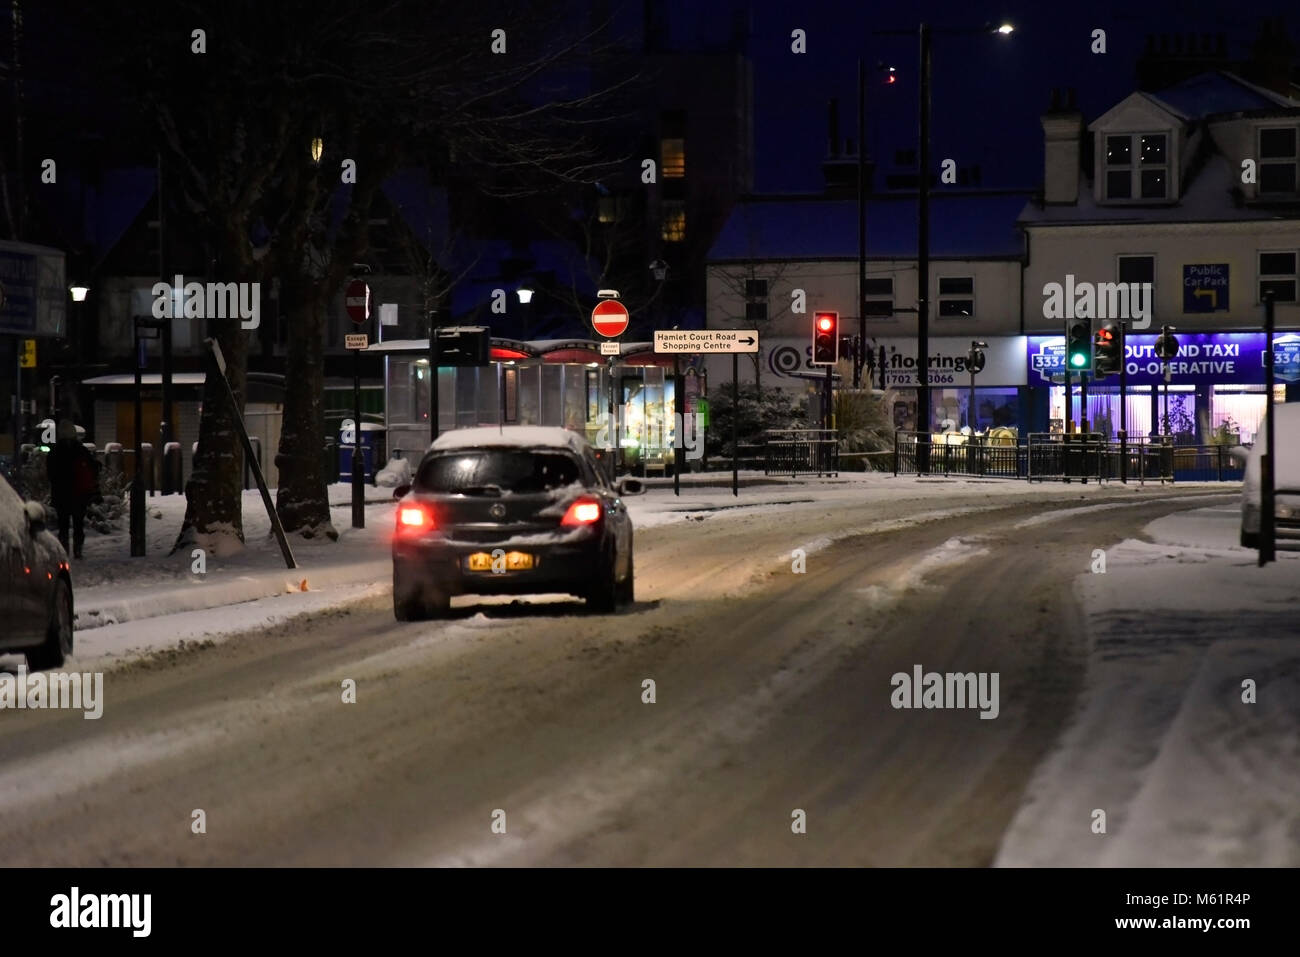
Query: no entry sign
[[356, 299], [609, 318]]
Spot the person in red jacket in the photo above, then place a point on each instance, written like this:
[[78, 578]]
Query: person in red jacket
[[74, 484]]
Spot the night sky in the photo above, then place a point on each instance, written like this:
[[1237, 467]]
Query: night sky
[[988, 91]]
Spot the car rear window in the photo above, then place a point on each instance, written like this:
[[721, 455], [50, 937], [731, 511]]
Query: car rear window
[[510, 470]]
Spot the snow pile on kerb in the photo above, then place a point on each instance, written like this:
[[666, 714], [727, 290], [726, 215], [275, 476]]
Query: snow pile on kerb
[[1185, 771]]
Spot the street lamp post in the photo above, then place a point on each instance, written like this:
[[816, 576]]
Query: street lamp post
[[923, 423]]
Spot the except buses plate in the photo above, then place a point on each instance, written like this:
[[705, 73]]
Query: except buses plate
[[512, 562]]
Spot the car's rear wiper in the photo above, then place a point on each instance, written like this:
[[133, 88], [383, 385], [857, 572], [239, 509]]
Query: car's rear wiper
[[494, 490]]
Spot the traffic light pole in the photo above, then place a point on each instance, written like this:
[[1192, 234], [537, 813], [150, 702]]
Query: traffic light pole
[[1083, 402], [1267, 523], [1069, 401], [1123, 402]]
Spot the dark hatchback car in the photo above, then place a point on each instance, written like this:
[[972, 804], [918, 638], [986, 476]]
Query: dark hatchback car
[[511, 511], [35, 584]]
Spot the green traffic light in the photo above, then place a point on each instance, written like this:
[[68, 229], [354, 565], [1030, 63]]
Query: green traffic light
[[1078, 359]]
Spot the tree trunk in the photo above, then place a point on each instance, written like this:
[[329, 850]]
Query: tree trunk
[[213, 507], [303, 499]]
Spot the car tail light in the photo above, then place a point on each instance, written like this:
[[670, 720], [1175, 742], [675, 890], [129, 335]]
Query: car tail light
[[582, 512], [414, 518]]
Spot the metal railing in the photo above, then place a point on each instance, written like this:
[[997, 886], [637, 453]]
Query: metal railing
[[1065, 457], [955, 454], [801, 452]]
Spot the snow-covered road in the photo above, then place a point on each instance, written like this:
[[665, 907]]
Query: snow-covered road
[[774, 703]]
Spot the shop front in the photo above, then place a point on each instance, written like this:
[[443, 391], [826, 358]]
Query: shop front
[[565, 383], [1215, 390]]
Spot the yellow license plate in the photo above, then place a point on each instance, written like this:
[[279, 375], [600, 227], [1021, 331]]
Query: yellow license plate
[[508, 561]]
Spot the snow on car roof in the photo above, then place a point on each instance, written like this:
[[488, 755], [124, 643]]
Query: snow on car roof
[[511, 436]]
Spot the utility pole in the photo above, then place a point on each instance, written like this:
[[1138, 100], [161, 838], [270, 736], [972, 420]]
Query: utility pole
[[862, 221], [923, 263], [165, 425]]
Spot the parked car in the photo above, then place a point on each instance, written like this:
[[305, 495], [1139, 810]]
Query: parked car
[[35, 584], [509, 511], [1286, 478]]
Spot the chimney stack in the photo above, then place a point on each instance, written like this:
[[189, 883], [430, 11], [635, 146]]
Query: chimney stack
[[1063, 133]]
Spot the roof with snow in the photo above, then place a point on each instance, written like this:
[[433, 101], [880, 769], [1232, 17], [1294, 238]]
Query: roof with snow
[[1210, 186], [510, 436], [1207, 198], [964, 224], [1208, 94]]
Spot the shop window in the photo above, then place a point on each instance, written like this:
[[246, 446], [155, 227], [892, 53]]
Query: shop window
[[1137, 269], [756, 300], [611, 209], [674, 221], [1277, 160], [1136, 167], [672, 152], [878, 298], [956, 297], [1277, 274]]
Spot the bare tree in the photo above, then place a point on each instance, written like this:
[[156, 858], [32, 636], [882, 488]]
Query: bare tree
[[380, 85]]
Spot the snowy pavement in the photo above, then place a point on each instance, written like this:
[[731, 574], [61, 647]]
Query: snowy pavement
[[1188, 773]]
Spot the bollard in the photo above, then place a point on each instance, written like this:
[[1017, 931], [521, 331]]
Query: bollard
[[147, 465], [172, 466]]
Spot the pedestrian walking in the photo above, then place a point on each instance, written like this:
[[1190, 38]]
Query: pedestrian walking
[[74, 484]]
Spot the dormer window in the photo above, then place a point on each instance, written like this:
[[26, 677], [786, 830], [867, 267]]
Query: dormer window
[[1137, 167], [1277, 160]]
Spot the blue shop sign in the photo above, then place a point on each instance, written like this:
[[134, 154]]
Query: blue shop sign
[[1204, 358]]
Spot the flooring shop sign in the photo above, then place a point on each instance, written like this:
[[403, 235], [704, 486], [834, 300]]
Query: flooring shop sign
[[1208, 358], [789, 359]]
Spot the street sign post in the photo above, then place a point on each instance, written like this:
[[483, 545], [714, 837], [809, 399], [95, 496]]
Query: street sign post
[[358, 340], [356, 300], [706, 341], [609, 318], [609, 349]]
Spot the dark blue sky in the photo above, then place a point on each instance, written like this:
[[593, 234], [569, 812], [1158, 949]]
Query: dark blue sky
[[988, 91]]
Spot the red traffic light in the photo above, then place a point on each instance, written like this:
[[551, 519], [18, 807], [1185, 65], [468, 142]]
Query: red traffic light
[[825, 323]]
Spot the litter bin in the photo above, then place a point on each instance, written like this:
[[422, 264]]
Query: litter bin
[[373, 440]]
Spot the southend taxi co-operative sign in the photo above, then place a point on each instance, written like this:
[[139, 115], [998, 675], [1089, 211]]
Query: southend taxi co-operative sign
[[1210, 358]]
